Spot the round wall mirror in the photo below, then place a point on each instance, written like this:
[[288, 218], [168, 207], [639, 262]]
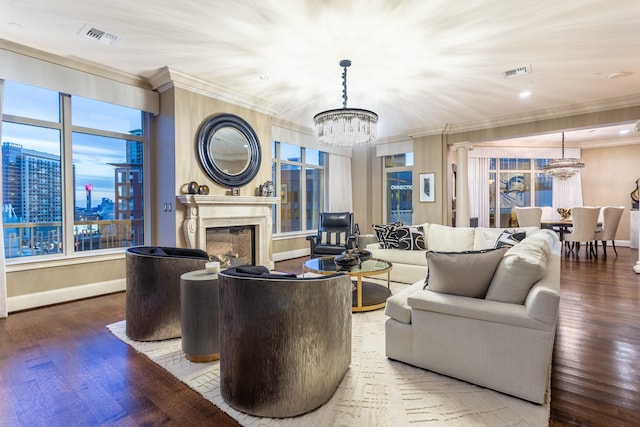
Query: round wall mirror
[[229, 150]]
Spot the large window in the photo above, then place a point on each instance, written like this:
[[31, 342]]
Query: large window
[[517, 183], [398, 174], [296, 169], [72, 173]]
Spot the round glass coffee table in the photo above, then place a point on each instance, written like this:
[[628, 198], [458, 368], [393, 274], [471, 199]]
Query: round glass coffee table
[[367, 296]]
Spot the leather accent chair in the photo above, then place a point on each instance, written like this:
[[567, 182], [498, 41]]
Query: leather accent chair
[[285, 342], [153, 289], [336, 234]]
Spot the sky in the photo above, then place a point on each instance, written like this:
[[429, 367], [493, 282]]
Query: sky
[[91, 153]]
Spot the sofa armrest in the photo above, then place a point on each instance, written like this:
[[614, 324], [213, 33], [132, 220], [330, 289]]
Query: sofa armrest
[[475, 308]]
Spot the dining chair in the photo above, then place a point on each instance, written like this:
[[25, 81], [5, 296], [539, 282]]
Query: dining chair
[[585, 221], [528, 216], [610, 220]]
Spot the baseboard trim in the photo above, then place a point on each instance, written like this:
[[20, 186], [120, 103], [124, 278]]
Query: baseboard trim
[[56, 296], [282, 256]]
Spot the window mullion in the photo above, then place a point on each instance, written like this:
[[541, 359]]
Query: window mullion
[[67, 175]]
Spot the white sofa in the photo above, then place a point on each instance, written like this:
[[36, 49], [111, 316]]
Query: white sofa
[[409, 266], [500, 341]]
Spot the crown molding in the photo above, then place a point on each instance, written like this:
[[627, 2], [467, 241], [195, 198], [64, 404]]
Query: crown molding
[[166, 78], [76, 64]]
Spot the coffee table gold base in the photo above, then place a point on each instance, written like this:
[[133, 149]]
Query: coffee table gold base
[[369, 296], [202, 357]]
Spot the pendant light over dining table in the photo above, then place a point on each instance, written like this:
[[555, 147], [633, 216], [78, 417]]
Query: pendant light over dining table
[[563, 168], [345, 126]]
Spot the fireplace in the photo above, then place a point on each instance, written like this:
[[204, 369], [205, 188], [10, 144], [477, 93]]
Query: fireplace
[[205, 212], [231, 246]]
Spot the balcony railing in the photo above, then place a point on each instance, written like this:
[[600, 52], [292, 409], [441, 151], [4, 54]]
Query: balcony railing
[[44, 238]]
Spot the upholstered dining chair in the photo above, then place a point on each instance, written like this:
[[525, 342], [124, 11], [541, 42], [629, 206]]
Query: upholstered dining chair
[[336, 234], [585, 221], [528, 216], [610, 220]]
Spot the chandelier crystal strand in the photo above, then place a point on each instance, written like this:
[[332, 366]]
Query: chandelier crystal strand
[[345, 126], [563, 168]]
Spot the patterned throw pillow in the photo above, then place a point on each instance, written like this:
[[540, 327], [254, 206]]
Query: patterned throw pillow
[[333, 238], [508, 239], [386, 234], [410, 238]]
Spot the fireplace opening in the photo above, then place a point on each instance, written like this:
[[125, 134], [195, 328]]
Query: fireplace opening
[[232, 246]]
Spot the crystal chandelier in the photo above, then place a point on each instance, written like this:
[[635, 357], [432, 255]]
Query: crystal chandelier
[[345, 126], [565, 167]]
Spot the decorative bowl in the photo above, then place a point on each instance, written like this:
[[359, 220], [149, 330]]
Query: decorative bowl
[[363, 254], [346, 260], [564, 213]]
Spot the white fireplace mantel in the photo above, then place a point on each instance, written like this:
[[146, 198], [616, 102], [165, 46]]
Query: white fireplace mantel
[[204, 212]]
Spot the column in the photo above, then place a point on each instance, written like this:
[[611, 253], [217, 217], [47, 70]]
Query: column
[[462, 184]]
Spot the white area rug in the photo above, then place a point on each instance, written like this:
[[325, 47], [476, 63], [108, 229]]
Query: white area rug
[[376, 391]]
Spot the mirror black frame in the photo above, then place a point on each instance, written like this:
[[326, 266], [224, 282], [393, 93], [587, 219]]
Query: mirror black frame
[[205, 136]]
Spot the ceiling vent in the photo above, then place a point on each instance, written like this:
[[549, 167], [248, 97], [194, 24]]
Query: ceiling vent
[[518, 71], [98, 35]]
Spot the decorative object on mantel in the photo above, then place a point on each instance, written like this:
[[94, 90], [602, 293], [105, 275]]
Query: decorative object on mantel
[[203, 190], [345, 126], [266, 190], [635, 195], [563, 168], [192, 187], [229, 150], [564, 213], [235, 191]]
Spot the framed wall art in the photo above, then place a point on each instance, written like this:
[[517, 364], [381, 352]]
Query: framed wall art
[[428, 187]]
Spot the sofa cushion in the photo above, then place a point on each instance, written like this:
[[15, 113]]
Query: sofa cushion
[[462, 273], [443, 238], [399, 256], [386, 234], [521, 267], [508, 239], [410, 238]]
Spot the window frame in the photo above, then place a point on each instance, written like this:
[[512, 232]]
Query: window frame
[[276, 163], [67, 129]]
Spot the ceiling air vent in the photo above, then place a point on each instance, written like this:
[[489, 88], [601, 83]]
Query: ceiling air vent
[[98, 35], [518, 71]]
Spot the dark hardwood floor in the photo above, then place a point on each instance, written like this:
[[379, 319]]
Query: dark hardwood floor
[[60, 365]]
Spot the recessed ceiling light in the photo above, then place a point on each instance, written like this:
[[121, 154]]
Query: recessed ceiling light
[[525, 94], [264, 77], [624, 131]]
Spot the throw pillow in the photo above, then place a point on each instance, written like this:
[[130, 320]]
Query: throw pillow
[[386, 234], [410, 238], [333, 238], [466, 274], [521, 267], [508, 239]]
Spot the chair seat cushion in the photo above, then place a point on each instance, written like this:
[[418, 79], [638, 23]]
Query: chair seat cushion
[[329, 249]]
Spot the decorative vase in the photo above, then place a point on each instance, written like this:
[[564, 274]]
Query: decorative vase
[[564, 213]]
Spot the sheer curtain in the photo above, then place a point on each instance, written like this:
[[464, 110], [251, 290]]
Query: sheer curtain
[[479, 190], [339, 184], [567, 192]]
